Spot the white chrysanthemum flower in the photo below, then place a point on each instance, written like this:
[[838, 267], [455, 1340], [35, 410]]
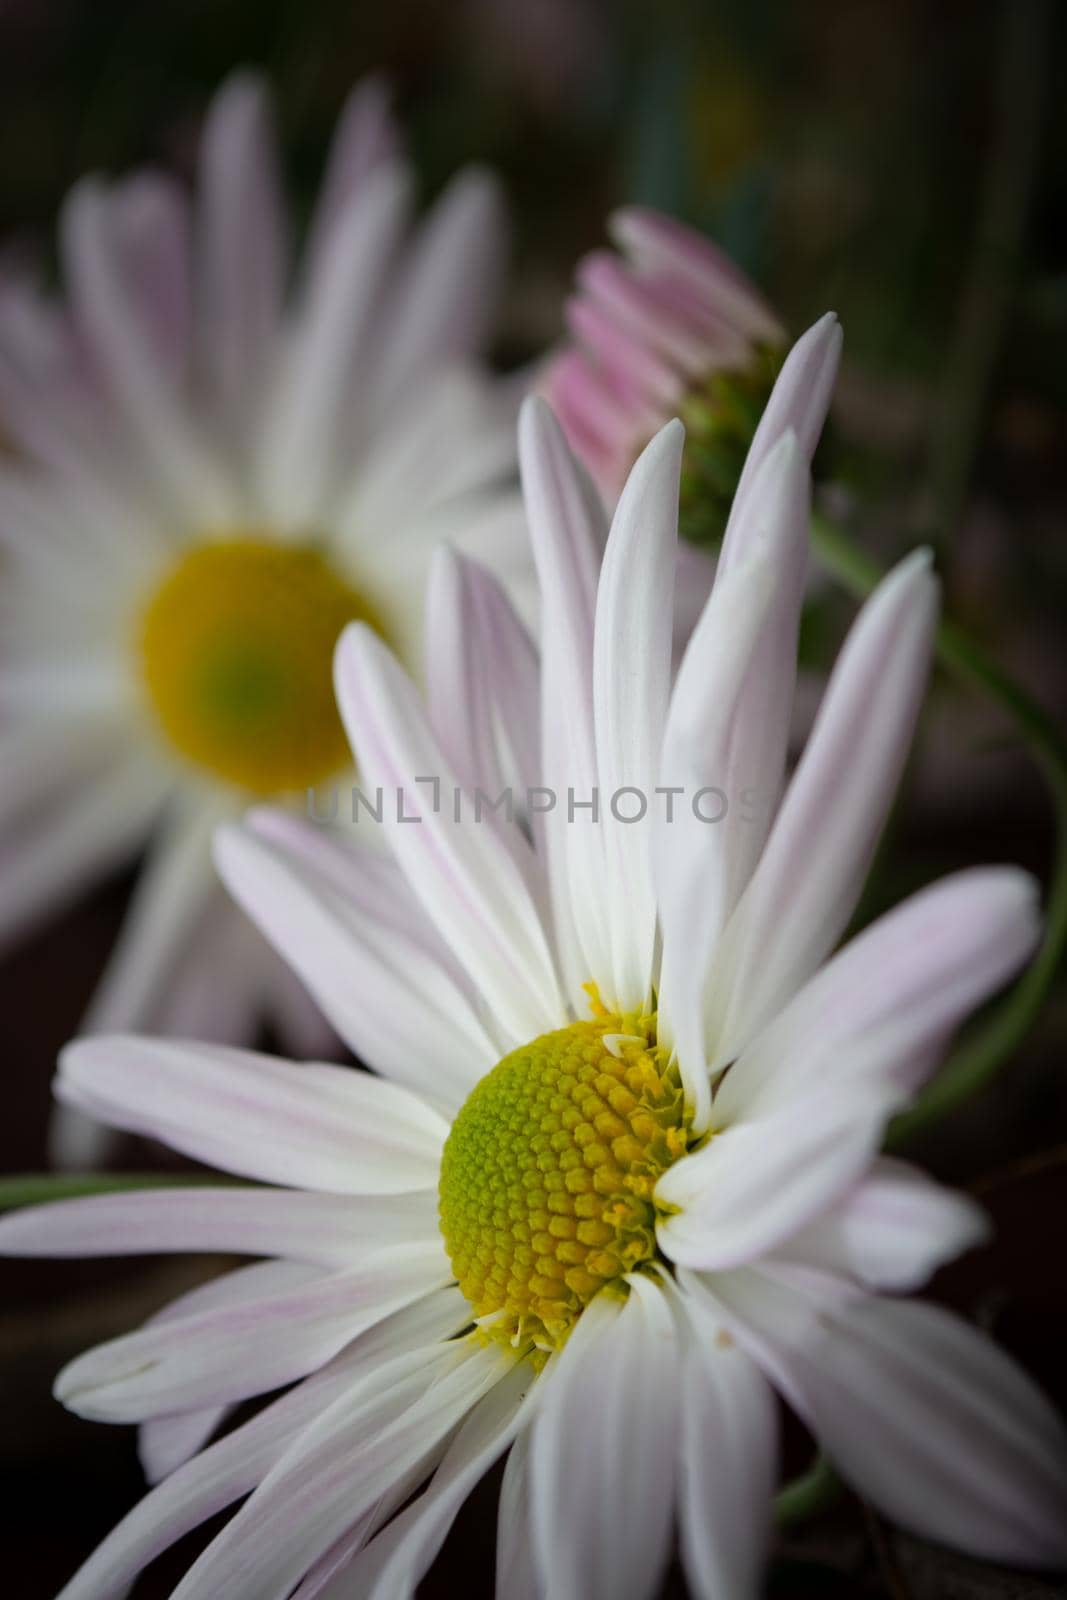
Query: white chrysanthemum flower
[[218, 468], [619, 1180]]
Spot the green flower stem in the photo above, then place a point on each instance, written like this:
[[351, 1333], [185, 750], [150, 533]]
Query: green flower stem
[[975, 1061], [808, 1494], [38, 1188]]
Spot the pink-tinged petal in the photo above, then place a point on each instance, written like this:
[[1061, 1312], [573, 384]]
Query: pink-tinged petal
[[481, 677], [331, 1230], [602, 443], [220, 1356], [303, 448], [631, 690], [366, 138], [657, 242], [799, 400], [173, 889], [690, 861], [99, 824], [442, 306], [725, 737], [230, 1468], [892, 1231], [187, 468], [241, 245], [389, 996], [605, 1535], [664, 313], [627, 362], [729, 1458], [466, 879], [166, 1443], [759, 1181], [153, 246], [888, 1001], [809, 877], [567, 532], [340, 1469], [336, 1129], [392, 1565], [935, 1425]]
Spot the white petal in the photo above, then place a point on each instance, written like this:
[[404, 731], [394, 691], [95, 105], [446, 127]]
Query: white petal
[[811, 872], [394, 1002], [631, 688], [392, 1565], [301, 436], [233, 1466], [241, 243], [482, 674], [172, 890], [467, 881], [886, 1003], [759, 1181], [729, 1459], [939, 1429], [310, 1125], [446, 297], [188, 469], [567, 534], [799, 401], [604, 1534], [516, 1564], [365, 137], [218, 1357], [332, 1230], [725, 737], [338, 1471], [893, 1230], [166, 1443], [102, 823]]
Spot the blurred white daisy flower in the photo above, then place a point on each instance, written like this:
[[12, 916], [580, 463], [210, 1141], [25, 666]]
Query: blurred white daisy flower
[[619, 1179], [220, 461]]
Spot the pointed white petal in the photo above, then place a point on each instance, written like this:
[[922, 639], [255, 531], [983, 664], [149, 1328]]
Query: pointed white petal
[[811, 872], [310, 1125], [230, 1468], [886, 1003], [757, 1182], [465, 878], [631, 689], [389, 995], [799, 401], [241, 244], [892, 1231], [339, 1470], [220, 1356], [331, 1230], [604, 1535], [567, 533], [729, 1458]]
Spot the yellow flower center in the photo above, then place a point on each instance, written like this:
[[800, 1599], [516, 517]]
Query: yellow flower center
[[548, 1174], [237, 650]]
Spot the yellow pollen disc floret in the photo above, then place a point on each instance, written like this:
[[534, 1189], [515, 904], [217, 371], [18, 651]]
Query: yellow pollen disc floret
[[237, 648], [548, 1173]]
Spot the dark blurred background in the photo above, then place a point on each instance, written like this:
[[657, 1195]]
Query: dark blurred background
[[901, 161]]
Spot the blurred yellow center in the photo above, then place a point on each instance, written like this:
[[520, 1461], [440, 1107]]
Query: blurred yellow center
[[548, 1173], [237, 652]]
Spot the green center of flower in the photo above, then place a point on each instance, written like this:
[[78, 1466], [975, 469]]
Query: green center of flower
[[720, 415], [237, 649], [548, 1174]]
